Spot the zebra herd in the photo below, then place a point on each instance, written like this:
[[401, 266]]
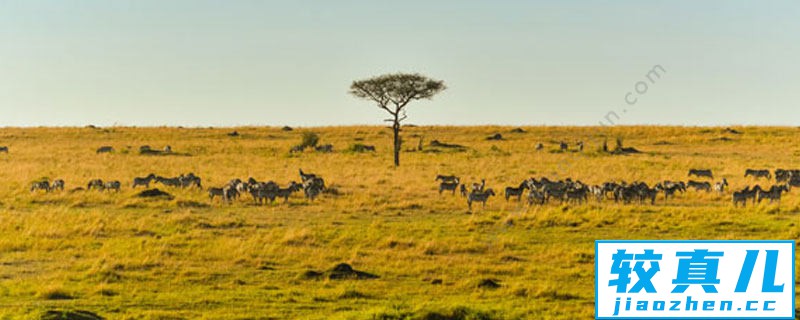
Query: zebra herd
[[544, 190], [312, 186]]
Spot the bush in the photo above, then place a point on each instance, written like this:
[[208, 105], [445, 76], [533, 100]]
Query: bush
[[310, 139]]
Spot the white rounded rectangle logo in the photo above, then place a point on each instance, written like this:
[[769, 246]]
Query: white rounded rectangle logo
[[694, 279]]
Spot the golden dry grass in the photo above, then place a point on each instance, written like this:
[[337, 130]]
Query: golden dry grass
[[129, 258]]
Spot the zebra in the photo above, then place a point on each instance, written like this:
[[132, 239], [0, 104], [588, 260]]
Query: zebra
[[720, 186], [795, 181], [773, 194], [536, 196], [104, 149], [96, 184], [41, 185], [312, 190], [479, 196], [578, 195], [326, 148], [167, 149], [783, 175], [516, 191], [190, 180], [216, 192], [744, 195], [443, 178], [539, 146], [4, 149], [112, 185], [478, 187], [698, 186], [463, 190], [144, 181], [563, 146], [58, 184], [449, 186], [297, 149], [580, 146], [701, 173], [598, 192], [170, 182], [286, 192], [758, 173]]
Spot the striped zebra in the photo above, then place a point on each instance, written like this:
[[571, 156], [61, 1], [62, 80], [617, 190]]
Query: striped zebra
[[516, 191], [96, 184], [443, 178], [58, 184], [216, 192], [41, 185], [143, 181], [536, 197], [743, 195], [773, 194], [170, 182], [480, 196], [720, 186], [698, 186], [758, 173], [701, 173], [285, 193], [112, 185], [449, 186]]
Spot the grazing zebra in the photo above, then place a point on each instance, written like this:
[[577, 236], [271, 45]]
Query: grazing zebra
[[758, 173], [41, 185], [144, 181], [773, 194], [190, 180], [58, 184], [170, 182], [112, 185], [720, 186], [105, 149], [479, 196], [4, 149], [698, 186], [536, 197], [297, 148], [516, 191], [96, 184], [701, 173], [448, 186], [443, 178], [324, 148]]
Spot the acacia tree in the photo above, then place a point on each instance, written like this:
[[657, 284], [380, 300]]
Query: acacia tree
[[393, 92]]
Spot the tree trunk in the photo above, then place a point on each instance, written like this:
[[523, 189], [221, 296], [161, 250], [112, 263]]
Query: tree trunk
[[396, 131]]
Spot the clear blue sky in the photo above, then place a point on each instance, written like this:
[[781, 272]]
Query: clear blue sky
[[224, 63]]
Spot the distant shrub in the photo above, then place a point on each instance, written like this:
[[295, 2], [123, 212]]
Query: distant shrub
[[310, 139]]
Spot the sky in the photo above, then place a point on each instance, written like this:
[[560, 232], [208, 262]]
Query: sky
[[231, 63]]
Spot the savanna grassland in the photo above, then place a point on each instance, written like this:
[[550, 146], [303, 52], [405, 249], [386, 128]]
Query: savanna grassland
[[124, 257]]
